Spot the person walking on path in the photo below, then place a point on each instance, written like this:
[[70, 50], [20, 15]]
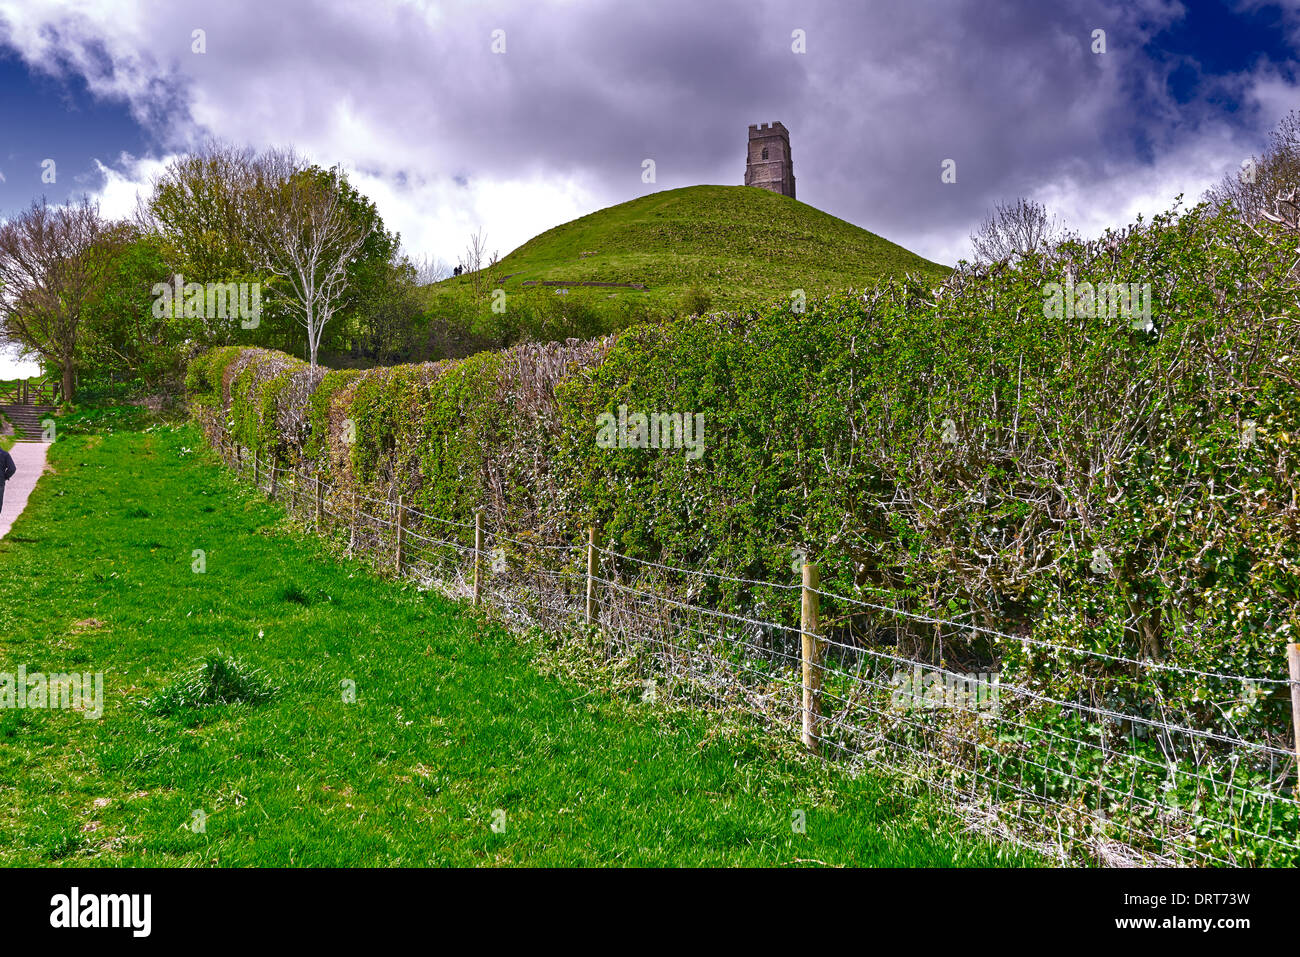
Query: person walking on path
[[7, 470]]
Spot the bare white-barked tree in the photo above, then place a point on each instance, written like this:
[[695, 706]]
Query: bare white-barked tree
[[307, 237]]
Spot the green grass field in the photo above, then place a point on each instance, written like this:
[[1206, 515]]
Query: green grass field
[[454, 719], [743, 246]]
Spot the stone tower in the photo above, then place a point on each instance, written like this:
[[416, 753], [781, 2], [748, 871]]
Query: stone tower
[[769, 164]]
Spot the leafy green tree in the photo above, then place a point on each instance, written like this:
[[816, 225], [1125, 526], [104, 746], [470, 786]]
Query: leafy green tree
[[54, 260], [230, 214], [124, 337], [200, 206]]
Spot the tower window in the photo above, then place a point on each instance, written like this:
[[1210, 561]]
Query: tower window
[[764, 152]]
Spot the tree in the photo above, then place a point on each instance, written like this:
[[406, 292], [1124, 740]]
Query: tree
[[1254, 187], [199, 204], [388, 315], [122, 337], [376, 274], [216, 210], [1013, 230], [428, 269], [307, 237], [475, 254], [53, 261]]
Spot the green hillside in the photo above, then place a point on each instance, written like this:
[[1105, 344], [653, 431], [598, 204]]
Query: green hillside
[[739, 245]]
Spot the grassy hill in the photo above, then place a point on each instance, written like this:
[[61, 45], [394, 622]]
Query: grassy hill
[[719, 247]]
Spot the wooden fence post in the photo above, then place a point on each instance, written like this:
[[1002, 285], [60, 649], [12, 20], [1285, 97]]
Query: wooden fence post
[[401, 533], [478, 554], [812, 658], [293, 493], [1293, 663], [320, 504], [356, 519], [256, 484], [591, 574]]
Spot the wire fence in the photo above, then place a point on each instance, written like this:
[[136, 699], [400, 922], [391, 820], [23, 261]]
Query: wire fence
[[1137, 763]]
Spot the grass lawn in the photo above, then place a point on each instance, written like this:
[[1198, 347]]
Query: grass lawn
[[453, 719]]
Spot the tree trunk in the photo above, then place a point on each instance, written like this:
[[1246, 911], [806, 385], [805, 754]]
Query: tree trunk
[[312, 338], [68, 381]]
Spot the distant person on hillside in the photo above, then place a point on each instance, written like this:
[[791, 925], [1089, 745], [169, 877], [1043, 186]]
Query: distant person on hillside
[[7, 470]]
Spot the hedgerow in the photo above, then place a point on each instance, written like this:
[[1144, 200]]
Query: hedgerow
[[325, 414], [1091, 480]]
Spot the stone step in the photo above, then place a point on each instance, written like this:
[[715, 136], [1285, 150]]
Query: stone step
[[26, 419]]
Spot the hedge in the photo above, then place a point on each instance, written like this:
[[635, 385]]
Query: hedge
[[1090, 481]]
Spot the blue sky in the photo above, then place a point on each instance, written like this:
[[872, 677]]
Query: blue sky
[[45, 117], [1219, 37], [448, 136]]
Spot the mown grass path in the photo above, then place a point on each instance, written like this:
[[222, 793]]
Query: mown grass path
[[453, 720]]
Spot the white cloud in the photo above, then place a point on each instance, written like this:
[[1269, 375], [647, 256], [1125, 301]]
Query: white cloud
[[437, 216], [432, 216], [124, 184], [11, 367], [1114, 198]]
